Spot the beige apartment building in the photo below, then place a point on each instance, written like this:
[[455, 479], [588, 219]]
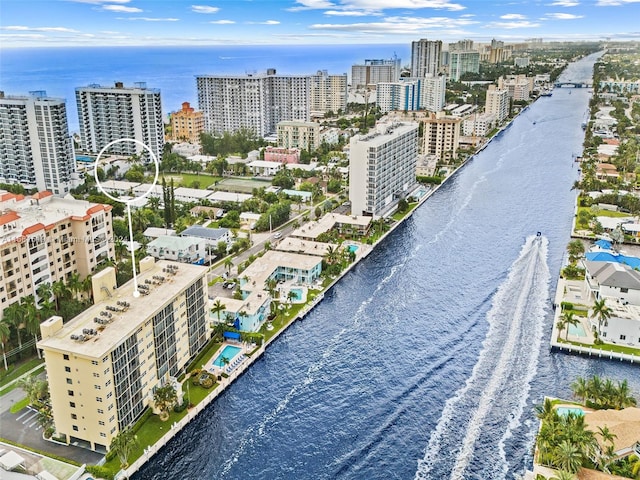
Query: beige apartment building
[[44, 239], [518, 87], [497, 102], [298, 134], [441, 135], [187, 124], [104, 364]]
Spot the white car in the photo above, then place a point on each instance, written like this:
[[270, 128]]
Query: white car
[[277, 235]]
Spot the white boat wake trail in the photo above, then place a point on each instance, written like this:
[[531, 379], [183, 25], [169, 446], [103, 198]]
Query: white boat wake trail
[[497, 390]]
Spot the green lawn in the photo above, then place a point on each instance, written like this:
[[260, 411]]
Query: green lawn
[[15, 372], [606, 347], [152, 428], [187, 179], [16, 407], [604, 213]]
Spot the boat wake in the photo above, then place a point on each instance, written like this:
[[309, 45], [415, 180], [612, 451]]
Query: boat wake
[[496, 392]]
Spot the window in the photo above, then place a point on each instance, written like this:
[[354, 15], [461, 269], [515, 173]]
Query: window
[[100, 411], [624, 290], [97, 387], [67, 369], [74, 416], [96, 375], [72, 404], [98, 399], [75, 428], [101, 423], [69, 381], [623, 337], [94, 362], [70, 393], [65, 356], [102, 434]]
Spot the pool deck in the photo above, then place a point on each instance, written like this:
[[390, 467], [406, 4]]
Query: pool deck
[[574, 291], [235, 361]]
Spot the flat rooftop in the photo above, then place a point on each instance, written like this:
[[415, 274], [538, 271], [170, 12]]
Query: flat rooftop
[[123, 324], [307, 247], [263, 267], [18, 212]]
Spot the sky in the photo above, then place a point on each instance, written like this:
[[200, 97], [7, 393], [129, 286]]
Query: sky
[[37, 23]]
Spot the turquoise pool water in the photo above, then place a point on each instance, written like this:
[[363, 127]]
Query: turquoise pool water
[[564, 411], [85, 158], [298, 294], [228, 352], [353, 248], [577, 330]]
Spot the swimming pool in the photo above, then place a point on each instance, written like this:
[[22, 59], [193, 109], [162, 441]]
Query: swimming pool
[[85, 158], [298, 294], [228, 352], [353, 248], [564, 411], [577, 330]]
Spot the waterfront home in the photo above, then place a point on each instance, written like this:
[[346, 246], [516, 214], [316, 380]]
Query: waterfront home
[[210, 213], [622, 327], [247, 314], [152, 233], [344, 224], [616, 281], [624, 426]]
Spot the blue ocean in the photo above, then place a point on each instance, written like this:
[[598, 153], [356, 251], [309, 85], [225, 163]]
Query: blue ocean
[[59, 71]]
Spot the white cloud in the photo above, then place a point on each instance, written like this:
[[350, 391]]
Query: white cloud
[[351, 13], [99, 2], [513, 16], [150, 19], [39, 29], [563, 3], [30, 36], [374, 7], [267, 22], [204, 9], [512, 25], [614, 3], [222, 22], [398, 25], [121, 9], [562, 16]]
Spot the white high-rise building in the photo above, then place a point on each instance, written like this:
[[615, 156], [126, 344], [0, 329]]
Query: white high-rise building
[[462, 62], [382, 167], [35, 147], [433, 93], [375, 71], [497, 102], [113, 113], [403, 96], [328, 92], [425, 57], [256, 102]]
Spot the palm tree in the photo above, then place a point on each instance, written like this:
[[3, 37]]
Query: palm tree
[[580, 389], [564, 475], [623, 397], [31, 317], [13, 315], [123, 444], [602, 312], [120, 248], [634, 460], [164, 398], [60, 291], [546, 411], [228, 265], [561, 324], [569, 319], [44, 292], [567, 456], [75, 284], [218, 307], [5, 332], [87, 287]]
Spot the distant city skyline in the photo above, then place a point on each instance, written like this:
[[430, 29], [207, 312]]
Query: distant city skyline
[[39, 23]]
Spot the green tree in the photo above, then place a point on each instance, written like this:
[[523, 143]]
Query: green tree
[[5, 332], [218, 307], [164, 398], [575, 249], [601, 312], [14, 316], [567, 456], [123, 445]]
